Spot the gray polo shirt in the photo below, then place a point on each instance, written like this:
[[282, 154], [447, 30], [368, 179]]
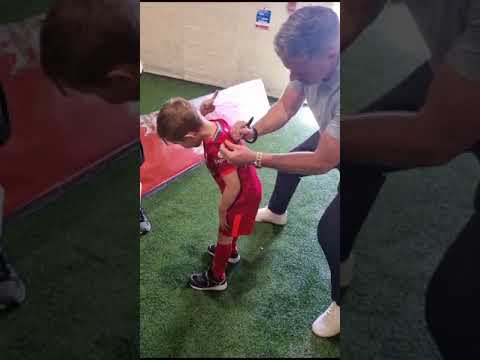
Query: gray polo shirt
[[324, 101], [451, 29]]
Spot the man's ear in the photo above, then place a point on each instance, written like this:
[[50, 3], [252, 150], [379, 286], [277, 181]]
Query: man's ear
[[127, 72], [190, 135], [122, 84]]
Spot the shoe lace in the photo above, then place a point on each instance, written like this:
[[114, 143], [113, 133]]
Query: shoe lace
[[211, 279], [329, 311], [207, 277]]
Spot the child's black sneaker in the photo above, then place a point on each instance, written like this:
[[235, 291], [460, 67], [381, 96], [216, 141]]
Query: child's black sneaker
[[233, 259], [206, 281], [145, 225], [12, 288]]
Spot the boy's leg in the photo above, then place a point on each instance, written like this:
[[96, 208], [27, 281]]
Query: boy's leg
[[234, 245], [223, 251], [215, 278], [234, 255], [286, 183]]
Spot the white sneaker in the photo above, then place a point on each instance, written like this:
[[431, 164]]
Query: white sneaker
[[346, 271], [266, 215], [328, 324]]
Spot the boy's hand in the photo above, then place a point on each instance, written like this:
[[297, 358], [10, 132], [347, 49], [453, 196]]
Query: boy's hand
[[208, 105], [222, 217], [149, 123], [240, 131]]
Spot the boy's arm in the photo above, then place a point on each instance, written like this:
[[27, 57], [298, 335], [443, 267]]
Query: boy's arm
[[232, 189], [207, 106], [230, 193]]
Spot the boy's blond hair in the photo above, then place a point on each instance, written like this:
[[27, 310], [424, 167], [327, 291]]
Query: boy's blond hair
[[176, 119]]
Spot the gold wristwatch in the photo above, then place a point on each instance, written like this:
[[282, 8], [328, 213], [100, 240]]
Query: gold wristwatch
[[258, 160]]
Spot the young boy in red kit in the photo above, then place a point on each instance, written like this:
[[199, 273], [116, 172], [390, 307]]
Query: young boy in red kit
[[180, 123]]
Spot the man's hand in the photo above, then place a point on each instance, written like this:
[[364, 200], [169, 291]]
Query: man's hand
[[208, 105], [237, 154], [240, 131], [323, 159]]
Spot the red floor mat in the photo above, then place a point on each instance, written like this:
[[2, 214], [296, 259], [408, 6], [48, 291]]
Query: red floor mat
[[164, 163], [54, 138]]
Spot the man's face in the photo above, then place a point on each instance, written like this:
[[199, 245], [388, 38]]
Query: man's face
[[311, 71]]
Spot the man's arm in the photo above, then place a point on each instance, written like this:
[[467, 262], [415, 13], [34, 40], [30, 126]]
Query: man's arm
[[279, 114], [323, 159], [282, 111], [446, 126], [356, 16]]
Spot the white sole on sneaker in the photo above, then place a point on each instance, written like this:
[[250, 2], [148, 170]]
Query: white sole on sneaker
[[323, 334], [267, 216], [328, 323], [215, 288], [230, 260]]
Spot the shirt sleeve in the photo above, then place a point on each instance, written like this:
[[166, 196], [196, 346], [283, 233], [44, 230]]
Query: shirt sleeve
[[464, 56], [296, 85], [333, 127], [227, 170]]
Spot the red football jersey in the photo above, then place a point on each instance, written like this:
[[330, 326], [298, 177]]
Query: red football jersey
[[241, 215]]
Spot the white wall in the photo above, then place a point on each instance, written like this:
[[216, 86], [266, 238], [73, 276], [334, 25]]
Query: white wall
[[213, 43]]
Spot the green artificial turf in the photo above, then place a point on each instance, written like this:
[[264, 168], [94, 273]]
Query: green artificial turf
[[416, 217], [280, 286], [79, 258]]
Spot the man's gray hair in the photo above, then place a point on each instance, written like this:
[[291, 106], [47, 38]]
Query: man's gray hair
[[308, 32]]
